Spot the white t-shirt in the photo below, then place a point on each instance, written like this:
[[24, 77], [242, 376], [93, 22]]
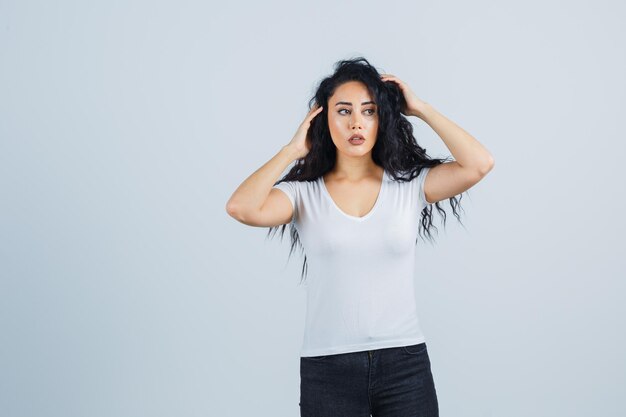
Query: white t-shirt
[[359, 282]]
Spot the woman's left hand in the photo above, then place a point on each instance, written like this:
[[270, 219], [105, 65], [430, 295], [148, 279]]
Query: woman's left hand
[[414, 106]]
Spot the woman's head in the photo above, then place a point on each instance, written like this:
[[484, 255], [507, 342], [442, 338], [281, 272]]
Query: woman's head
[[355, 81], [352, 112], [347, 97]]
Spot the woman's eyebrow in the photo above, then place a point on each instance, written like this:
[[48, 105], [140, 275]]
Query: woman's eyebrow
[[350, 104]]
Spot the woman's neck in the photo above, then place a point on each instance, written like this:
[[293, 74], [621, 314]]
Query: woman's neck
[[353, 169]]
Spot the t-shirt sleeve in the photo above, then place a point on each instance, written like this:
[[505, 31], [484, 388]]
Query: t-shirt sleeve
[[419, 184], [290, 188]]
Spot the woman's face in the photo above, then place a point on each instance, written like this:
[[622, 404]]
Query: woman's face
[[351, 110]]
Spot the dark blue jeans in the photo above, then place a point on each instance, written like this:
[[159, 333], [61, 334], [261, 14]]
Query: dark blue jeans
[[391, 382]]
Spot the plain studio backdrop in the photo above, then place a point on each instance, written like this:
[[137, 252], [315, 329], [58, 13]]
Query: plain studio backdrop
[[127, 290]]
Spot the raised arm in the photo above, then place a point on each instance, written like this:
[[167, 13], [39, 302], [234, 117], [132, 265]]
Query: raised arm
[[472, 160], [255, 202]]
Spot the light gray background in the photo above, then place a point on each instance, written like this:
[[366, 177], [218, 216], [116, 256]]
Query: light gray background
[[127, 290]]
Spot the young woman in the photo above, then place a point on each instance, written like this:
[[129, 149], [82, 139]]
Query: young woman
[[353, 199]]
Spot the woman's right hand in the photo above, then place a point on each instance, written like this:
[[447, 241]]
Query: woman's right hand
[[300, 143]]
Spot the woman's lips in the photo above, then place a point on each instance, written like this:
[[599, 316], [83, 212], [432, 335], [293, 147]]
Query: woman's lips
[[356, 141]]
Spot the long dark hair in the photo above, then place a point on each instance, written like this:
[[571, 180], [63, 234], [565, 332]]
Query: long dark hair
[[396, 149]]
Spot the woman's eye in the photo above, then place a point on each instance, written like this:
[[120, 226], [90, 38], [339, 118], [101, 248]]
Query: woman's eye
[[372, 111]]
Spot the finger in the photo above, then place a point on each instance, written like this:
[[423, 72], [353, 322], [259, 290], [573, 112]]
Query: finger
[[317, 110], [314, 112], [395, 80]]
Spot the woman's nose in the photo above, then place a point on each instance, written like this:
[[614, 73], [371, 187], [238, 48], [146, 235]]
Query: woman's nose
[[355, 121]]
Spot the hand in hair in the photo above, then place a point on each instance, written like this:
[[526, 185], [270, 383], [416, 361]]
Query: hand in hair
[[414, 106], [300, 142]]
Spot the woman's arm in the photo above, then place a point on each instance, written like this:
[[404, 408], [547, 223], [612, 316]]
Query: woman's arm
[[247, 202], [467, 151], [472, 160], [250, 196]]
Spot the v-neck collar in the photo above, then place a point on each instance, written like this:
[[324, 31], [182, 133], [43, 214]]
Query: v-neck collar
[[371, 212]]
